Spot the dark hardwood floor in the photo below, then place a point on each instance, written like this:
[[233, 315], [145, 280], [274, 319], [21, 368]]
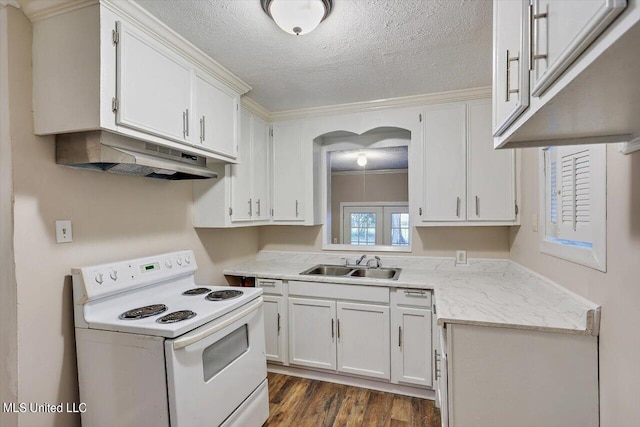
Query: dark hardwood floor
[[302, 402]]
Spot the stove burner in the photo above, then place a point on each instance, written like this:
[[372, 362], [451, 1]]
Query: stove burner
[[142, 312], [196, 291], [222, 295], [176, 316]]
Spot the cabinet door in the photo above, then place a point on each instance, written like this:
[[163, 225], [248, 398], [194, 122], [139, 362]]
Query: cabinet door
[[562, 30], [363, 340], [216, 116], [491, 175], [260, 170], [510, 62], [411, 350], [274, 320], [444, 163], [288, 172], [153, 85], [241, 203], [312, 333]]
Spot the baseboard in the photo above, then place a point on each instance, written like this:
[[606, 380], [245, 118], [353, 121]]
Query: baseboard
[[352, 381]]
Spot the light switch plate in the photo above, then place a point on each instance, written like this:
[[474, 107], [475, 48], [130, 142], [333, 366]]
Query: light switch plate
[[63, 231], [461, 258]]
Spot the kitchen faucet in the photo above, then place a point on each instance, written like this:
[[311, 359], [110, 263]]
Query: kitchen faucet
[[377, 260], [361, 259]]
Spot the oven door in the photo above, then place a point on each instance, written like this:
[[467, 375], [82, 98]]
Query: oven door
[[213, 369]]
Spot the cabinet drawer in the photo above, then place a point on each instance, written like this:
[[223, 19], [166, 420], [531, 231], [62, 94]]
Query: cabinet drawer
[[411, 297], [270, 286]]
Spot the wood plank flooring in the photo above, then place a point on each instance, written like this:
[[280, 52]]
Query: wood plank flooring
[[302, 402]]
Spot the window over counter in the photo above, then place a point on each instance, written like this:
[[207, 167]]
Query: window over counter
[[573, 203], [375, 224]]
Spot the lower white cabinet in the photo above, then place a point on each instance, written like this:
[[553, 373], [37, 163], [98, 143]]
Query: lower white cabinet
[[312, 333], [411, 348], [363, 339], [348, 337], [275, 319]]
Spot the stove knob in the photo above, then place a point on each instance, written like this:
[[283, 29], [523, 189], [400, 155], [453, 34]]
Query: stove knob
[[187, 259], [99, 278], [168, 263], [179, 261], [114, 275]]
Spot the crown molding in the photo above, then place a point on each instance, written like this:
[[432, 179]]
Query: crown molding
[[254, 108], [37, 10], [401, 102]]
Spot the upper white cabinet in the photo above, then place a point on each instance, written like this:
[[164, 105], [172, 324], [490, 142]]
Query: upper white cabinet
[[465, 181], [288, 171], [444, 163], [111, 66], [240, 194], [491, 174], [564, 72], [510, 62], [216, 116], [561, 31], [153, 86]]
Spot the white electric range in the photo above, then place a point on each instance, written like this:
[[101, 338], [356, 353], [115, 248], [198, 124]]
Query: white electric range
[[156, 349]]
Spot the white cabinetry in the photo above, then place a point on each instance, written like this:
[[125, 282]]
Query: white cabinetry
[[363, 339], [465, 181], [502, 377], [110, 66], [288, 172], [250, 177], [275, 320], [240, 195], [154, 86], [312, 333], [552, 58], [411, 347], [216, 116]]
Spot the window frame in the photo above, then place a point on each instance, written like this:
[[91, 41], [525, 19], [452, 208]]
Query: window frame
[[596, 256], [384, 209]]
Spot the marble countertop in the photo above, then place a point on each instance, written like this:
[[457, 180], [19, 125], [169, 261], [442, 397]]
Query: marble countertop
[[497, 293]]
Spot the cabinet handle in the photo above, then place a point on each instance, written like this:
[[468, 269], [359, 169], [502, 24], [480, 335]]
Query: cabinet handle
[[420, 211], [416, 292], [509, 90], [435, 365], [267, 283], [202, 127], [458, 207], [250, 207], [297, 212], [278, 323], [477, 206], [258, 207], [184, 124], [533, 35], [332, 333], [338, 328], [186, 127], [400, 336]]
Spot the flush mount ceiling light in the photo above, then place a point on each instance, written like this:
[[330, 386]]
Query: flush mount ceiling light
[[297, 16], [362, 160]]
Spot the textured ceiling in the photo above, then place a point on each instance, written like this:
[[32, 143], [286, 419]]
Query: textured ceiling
[[377, 159], [365, 50]]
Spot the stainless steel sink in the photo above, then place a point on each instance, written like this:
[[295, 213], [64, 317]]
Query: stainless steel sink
[[376, 273], [328, 270], [355, 272]]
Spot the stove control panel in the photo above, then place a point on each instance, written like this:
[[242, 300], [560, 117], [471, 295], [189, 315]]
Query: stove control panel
[[108, 279]]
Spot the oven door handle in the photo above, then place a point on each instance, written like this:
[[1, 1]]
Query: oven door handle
[[193, 338]]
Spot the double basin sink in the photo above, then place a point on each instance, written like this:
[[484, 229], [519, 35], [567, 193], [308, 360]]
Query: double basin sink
[[355, 272]]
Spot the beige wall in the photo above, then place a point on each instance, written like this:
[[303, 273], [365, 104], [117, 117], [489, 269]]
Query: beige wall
[[369, 187], [480, 242], [617, 290], [8, 295], [114, 217]]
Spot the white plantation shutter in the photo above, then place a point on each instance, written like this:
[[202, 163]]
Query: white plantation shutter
[[575, 194]]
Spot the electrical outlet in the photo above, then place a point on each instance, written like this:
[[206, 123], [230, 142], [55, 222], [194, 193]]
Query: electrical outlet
[[335, 240], [461, 257], [63, 231]]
